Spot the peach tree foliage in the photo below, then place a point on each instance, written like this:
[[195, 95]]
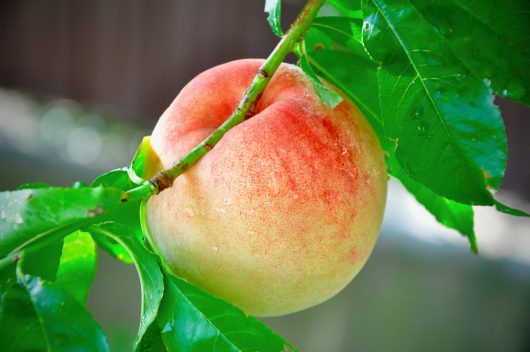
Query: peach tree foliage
[[424, 72]]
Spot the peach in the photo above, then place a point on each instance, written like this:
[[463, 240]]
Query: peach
[[284, 211]]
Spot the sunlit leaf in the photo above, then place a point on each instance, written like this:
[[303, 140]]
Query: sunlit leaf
[[447, 132], [492, 38], [77, 267], [29, 215], [117, 178], [341, 29], [350, 8], [192, 320], [452, 214], [356, 76], [147, 266], [326, 94], [37, 315], [444, 127], [146, 162], [127, 214]]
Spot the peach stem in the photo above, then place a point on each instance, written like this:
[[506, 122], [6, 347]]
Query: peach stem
[[243, 111]]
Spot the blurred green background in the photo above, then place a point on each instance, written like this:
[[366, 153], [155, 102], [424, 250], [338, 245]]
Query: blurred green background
[[82, 82]]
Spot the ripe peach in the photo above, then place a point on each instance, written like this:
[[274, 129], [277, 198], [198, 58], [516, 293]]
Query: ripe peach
[[284, 211]]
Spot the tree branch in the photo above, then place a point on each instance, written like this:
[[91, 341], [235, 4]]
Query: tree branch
[[243, 111]]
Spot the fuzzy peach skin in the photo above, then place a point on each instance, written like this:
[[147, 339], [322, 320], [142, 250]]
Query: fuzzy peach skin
[[284, 211]]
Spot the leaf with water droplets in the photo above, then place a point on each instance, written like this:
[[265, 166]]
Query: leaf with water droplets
[[36, 315], [447, 133], [30, 215], [147, 266], [492, 38], [190, 319], [336, 55]]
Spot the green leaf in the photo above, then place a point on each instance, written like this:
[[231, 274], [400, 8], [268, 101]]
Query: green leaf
[[326, 94], [127, 214], [355, 76], [7, 278], [447, 132], [340, 29], [77, 267], [452, 214], [337, 33], [492, 38], [146, 162], [349, 8], [506, 209], [65, 324], [36, 315], [30, 215], [45, 262], [344, 62], [152, 340], [147, 266], [21, 330], [114, 249], [192, 320], [118, 178], [274, 9]]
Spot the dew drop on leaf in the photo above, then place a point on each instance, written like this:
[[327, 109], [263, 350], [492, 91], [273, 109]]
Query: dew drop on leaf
[[166, 328], [18, 219]]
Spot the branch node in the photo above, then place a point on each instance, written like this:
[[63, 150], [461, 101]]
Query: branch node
[[162, 181], [262, 73]]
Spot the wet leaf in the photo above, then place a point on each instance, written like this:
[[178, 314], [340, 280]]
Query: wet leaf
[[38, 315], [448, 134], [491, 38], [192, 320], [146, 264], [30, 215]]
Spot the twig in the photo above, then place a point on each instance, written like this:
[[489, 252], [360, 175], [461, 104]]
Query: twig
[[296, 32]]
